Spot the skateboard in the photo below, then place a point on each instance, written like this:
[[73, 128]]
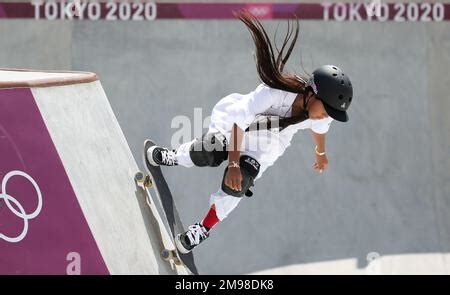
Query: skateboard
[[164, 204]]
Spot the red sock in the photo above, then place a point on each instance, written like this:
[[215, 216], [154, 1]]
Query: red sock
[[211, 219]]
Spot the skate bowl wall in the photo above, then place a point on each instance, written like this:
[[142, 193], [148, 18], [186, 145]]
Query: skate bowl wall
[[386, 192], [68, 203]]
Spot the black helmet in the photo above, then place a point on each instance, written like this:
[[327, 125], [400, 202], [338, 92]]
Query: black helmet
[[334, 89]]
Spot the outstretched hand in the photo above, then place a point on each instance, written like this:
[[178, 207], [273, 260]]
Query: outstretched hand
[[321, 163]]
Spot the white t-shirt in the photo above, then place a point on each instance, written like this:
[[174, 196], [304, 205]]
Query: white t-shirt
[[243, 109]]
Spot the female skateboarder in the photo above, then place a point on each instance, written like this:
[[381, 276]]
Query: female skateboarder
[[253, 130]]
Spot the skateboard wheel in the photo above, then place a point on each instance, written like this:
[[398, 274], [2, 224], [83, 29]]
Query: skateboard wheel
[[143, 180], [139, 177], [166, 254]]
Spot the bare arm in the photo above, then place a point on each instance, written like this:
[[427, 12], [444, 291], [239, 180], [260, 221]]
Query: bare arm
[[321, 162], [235, 145], [319, 140], [233, 178]]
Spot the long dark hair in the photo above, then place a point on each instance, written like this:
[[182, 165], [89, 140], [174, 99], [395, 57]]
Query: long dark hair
[[269, 67]]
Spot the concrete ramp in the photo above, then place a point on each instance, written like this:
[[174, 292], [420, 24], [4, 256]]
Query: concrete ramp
[[68, 202]]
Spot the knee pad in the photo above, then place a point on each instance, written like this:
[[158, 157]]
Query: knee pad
[[210, 151], [249, 171]]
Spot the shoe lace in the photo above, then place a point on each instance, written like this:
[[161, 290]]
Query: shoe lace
[[168, 157], [196, 234]]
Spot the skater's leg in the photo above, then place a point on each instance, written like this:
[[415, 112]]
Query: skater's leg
[[182, 154], [209, 151], [221, 205], [158, 155], [225, 204], [210, 219], [225, 199]]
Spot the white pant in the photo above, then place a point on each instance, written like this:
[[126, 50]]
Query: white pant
[[223, 202]]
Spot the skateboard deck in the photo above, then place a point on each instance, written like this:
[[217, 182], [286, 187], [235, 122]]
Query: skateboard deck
[[165, 205]]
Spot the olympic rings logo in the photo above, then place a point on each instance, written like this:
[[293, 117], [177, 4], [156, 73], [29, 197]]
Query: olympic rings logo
[[9, 200]]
